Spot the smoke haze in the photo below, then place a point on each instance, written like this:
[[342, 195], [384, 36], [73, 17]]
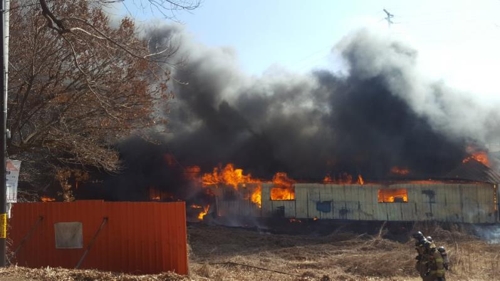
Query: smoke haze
[[381, 114]]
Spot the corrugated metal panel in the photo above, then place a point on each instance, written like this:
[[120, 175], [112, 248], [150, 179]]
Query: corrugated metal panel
[[146, 237], [266, 200], [367, 198], [339, 202], [324, 205], [469, 204], [301, 201], [313, 197], [487, 211], [352, 201], [453, 204], [380, 209], [439, 210]]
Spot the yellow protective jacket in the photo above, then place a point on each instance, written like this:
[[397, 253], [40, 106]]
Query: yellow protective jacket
[[435, 263]]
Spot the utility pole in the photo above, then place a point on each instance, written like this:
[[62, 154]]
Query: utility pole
[[388, 18], [3, 141]]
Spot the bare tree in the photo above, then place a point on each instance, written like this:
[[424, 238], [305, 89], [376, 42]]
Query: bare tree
[[167, 8], [77, 86]]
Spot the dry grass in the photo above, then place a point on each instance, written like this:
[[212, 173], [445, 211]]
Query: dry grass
[[219, 253]]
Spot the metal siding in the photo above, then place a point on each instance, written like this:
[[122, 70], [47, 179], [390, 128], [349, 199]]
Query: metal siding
[[148, 237], [415, 202], [289, 208], [266, 208], [452, 204], [447, 209], [422, 209], [407, 209], [352, 201], [275, 207], [313, 196], [497, 208], [393, 211], [448, 203], [440, 201], [379, 209], [486, 195], [440, 210], [338, 193], [366, 200], [325, 195], [469, 204], [485, 206], [301, 202]]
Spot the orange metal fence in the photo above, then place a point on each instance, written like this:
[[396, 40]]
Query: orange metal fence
[[139, 238]]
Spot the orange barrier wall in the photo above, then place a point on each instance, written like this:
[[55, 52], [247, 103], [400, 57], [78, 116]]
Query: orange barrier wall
[[137, 237]]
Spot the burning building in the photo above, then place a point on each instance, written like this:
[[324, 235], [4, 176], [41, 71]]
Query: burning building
[[468, 194], [321, 145]]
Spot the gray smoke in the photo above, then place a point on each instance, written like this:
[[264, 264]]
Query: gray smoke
[[380, 114]]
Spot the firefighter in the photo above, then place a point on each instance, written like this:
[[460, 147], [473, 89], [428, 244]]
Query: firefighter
[[444, 255], [435, 265], [422, 246], [431, 261]]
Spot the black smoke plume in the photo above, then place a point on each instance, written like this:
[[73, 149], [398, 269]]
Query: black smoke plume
[[379, 115]]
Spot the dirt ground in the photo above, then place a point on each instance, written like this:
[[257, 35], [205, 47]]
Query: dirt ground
[[229, 253]]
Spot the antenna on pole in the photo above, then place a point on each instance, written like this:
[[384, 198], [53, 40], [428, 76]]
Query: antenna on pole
[[388, 18]]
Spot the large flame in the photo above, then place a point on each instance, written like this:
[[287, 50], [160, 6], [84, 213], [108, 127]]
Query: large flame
[[283, 187], [233, 177], [228, 176]]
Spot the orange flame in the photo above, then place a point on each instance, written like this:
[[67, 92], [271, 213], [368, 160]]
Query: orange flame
[[203, 212], [234, 177], [343, 178], [479, 156], [392, 195], [400, 171], [360, 180], [256, 196], [327, 179], [47, 199], [229, 175], [283, 187]]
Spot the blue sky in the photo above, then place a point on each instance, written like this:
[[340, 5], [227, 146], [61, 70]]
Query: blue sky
[[457, 41]]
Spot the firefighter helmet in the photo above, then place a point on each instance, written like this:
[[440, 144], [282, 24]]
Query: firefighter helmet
[[418, 235]]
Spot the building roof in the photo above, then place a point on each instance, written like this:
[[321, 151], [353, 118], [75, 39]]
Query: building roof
[[474, 170]]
